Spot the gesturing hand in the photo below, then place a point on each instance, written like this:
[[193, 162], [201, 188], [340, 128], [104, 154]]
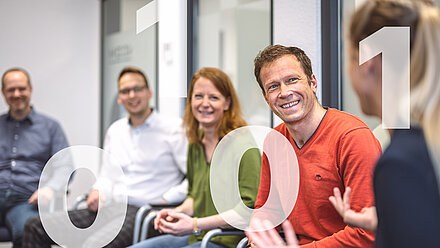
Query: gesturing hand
[[365, 219], [269, 238]]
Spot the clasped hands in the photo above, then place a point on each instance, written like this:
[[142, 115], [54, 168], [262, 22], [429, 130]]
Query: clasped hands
[[172, 221]]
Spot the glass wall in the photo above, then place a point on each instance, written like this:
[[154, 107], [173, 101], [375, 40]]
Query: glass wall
[[228, 35], [123, 47]]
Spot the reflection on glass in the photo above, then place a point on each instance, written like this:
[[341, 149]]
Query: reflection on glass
[[231, 33]]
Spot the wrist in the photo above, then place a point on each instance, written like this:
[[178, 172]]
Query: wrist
[[196, 230]]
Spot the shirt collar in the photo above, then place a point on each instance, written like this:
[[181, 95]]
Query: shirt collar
[[30, 117], [149, 121]]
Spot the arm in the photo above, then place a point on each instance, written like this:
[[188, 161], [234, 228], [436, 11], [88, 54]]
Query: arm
[[179, 148], [62, 166], [182, 224], [365, 219]]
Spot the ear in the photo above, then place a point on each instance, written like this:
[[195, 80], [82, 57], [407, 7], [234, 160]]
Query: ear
[[314, 83], [119, 99], [227, 104], [149, 93], [372, 67]]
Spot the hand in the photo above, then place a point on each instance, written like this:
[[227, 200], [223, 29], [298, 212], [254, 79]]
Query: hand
[[162, 214], [270, 238], [176, 223], [45, 194], [365, 219], [93, 200]]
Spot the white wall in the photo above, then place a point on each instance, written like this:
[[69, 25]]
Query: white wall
[[58, 42]]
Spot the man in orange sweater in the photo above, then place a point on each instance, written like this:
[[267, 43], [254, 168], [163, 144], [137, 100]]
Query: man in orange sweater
[[333, 148]]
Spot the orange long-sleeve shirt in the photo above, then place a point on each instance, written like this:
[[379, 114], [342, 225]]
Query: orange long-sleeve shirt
[[342, 152]]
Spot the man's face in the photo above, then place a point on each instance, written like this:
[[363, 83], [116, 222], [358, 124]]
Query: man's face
[[287, 89], [133, 94], [17, 92]]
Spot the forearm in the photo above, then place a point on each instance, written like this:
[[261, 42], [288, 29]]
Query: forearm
[[348, 237], [177, 193], [186, 207], [212, 222]]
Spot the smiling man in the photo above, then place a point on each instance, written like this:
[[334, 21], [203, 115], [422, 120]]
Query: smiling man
[[27, 140], [334, 149]]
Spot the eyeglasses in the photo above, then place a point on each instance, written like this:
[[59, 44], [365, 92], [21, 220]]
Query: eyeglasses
[[136, 89]]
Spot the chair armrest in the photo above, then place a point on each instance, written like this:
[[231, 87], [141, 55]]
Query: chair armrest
[[243, 243], [165, 205], [146, 223], [218, 232], [138, 220]]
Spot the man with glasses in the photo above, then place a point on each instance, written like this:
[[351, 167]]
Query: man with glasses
[[28, 140], [152, 152]]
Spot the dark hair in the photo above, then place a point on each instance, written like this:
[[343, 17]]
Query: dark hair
[[232, 118], [16, 69], [274, 52], [130, 69]]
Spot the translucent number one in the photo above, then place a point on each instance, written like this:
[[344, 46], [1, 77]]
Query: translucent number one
[[394, 44], [172, 50]]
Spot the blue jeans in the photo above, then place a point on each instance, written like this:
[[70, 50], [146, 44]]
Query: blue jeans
[[14, 212], [171, 241]]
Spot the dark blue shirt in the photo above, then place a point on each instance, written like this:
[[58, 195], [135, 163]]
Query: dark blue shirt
[[407, 193], [25, 147]]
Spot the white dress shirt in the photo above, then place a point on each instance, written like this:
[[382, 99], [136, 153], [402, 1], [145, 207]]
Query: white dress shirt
[[153, 159]]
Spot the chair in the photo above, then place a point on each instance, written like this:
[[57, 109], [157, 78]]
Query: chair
[[219, 232], [5, 236], [140, 232], [243, 243]]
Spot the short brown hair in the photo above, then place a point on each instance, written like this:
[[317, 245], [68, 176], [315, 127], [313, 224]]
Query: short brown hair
[[232, 118], [274, 52], [131, 69], [16, 69]]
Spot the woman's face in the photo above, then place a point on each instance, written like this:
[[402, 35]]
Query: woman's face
[[366, 80], [207, 103]]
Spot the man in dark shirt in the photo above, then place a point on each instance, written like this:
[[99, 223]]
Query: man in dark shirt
[[28, 140]]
